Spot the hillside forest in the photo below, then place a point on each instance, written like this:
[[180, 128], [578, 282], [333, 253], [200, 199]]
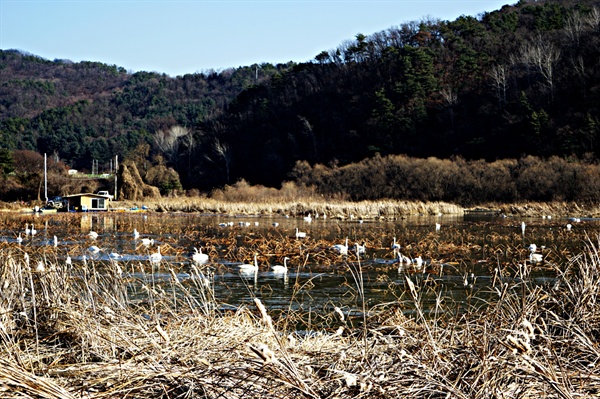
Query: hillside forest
[[501, 106]]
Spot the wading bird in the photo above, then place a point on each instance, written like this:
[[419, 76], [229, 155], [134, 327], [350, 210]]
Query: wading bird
[[534, 257], [280, 269], [341, 248], [248, 268], [360, 249], [156, 257], [94, 249], [148, 241], [198, 256], [418, 261]]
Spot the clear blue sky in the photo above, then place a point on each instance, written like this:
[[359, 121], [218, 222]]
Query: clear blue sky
[[186, 36]]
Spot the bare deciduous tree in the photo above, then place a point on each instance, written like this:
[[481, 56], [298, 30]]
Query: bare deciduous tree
[[543, 55], [168, 141], [499, 75], [574, 24], [451, 98], [189, 141], [222, 150], [592, 20]]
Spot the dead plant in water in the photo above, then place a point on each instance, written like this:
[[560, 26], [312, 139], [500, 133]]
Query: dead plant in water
[[96, 332]]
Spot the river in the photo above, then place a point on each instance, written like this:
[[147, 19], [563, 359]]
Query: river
[[465, 259]]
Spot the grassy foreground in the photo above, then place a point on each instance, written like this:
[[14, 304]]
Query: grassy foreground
[[69, 331]]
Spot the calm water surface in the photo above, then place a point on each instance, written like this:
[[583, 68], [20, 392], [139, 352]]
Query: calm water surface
[[461, 260]]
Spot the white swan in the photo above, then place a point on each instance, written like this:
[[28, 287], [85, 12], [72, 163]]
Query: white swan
[[27, 229], [115, 255], [157, 256], [198, 256], [308, 218], [94, 249], [360, 249], [19, 238], [148, 241], [403, 259], [341, 248], [534, 257], [280, 269], [418, 261], [136, 234], [249, 268], [300, 234], [395, 245], [55, 241], [93, 235], [33, 231]]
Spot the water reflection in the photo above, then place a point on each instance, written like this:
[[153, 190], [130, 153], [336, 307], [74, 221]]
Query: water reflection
[[462, 257]]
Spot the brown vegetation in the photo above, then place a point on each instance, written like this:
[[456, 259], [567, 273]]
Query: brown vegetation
[[458, 181], [132, 187], [99, 331]]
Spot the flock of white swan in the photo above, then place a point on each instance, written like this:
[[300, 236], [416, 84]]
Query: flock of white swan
[[251, 269]]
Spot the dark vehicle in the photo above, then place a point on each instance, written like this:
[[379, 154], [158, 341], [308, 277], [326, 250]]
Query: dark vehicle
[[57, 202]]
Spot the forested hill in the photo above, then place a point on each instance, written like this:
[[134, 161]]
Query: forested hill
[[523, 80]]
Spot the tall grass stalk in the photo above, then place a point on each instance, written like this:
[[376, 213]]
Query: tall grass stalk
[[357, 275]]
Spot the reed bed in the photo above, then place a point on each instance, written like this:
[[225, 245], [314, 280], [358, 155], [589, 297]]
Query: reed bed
[[99, 330], [316, 207], [293, 202], [385, 209]]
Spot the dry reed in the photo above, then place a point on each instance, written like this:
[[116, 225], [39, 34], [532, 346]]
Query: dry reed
[[92, 331]]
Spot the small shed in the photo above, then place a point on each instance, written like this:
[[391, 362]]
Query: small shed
[[87, 202]]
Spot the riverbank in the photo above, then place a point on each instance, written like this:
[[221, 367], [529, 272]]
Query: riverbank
[[337, 209], [366, 210]]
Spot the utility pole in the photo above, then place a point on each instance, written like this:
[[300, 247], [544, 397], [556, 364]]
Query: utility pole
[[116, 170], [45, 178]]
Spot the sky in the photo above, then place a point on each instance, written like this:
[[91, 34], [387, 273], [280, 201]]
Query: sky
[[178, 37]]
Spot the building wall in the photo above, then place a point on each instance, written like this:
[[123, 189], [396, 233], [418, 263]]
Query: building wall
[[89, 202]]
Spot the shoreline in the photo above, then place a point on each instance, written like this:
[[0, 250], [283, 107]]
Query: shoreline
[[338, 210]]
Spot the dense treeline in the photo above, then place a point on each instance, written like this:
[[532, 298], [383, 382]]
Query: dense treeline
[[517, 82], [521, 80], [456, 180], [88, 110]]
